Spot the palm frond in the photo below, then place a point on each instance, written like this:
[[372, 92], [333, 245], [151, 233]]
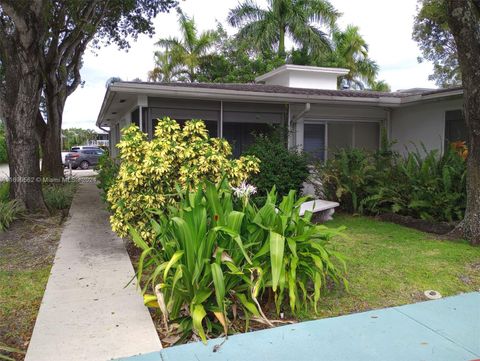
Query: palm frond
[[245, 13]]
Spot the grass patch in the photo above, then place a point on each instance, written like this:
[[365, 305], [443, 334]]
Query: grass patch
[[27, 249], [391, 265]]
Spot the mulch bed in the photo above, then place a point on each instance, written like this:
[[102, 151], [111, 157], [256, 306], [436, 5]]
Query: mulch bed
[[441, 228]]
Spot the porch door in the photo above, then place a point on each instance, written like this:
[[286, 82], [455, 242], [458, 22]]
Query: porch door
[[314, 142]]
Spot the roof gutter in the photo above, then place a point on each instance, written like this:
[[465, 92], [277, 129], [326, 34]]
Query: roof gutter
[[226, 94]]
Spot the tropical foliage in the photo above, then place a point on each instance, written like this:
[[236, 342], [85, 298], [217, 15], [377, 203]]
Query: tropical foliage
[[9, 211], [284, 168], [215, 258], [432, 33], [107, 171], [303, 21], [59, 196], [153, 173], [349, 50], [76, 136], [234, 61], [259, 46], [422, 184], [181, 58]]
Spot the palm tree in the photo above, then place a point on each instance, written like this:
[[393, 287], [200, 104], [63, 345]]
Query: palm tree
[[380, 86], [351, 52], [165, 69], [182, 57], [300, 19]]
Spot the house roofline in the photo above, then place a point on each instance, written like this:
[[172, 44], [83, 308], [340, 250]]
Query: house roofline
[[156, 89]]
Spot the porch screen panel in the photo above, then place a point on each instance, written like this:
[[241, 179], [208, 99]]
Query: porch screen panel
[[340, 136], [241, 135], [135, 117], [367, 136], [314, 140], [242, 120], [455, 127]]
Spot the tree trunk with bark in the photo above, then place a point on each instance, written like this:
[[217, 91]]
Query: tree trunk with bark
[[464, 22], [20, 101], [51, 136]]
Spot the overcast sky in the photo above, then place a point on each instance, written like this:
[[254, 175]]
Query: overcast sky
[[386, 25]]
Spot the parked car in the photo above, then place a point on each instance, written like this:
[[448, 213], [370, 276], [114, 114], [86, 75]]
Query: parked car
[[84, 158], [79, 147], [64, 161]]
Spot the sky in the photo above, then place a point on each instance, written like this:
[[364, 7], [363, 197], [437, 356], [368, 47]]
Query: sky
[[386, 25]]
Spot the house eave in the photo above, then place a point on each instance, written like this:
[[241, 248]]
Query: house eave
[[170, 91]]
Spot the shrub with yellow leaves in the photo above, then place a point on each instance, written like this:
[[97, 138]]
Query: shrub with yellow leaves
[[152, 173]]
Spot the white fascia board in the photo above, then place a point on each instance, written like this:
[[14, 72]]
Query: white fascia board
[[420, 97], [226, 94]]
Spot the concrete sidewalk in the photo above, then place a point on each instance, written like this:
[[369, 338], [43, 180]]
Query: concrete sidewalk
[[441, 330], [87, 313]]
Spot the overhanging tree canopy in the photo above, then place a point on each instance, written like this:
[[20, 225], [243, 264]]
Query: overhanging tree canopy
[[41, 48]]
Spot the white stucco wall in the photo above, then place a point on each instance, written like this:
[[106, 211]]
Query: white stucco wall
[[304, 79], [422, 123]]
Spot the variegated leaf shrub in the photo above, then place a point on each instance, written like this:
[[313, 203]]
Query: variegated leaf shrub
[[153, 173]]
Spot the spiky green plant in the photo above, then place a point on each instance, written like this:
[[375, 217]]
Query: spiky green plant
[[9, 211]]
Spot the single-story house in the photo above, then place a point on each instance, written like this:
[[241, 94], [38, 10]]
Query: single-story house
[[306, 99]]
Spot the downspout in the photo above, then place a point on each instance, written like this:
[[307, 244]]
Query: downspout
[[220, 128], [140, 118], [296, 118], [302, 113]]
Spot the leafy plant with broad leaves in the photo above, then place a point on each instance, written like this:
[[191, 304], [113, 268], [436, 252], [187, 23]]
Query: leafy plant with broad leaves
[[214, 254], [423, 184], [284, 168]]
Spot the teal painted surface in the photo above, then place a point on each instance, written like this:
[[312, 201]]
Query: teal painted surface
[[456, 318], [446, 329]]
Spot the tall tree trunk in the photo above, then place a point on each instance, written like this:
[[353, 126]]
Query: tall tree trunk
[[51, 139], [464, 22], [281, 42], [20, 101]]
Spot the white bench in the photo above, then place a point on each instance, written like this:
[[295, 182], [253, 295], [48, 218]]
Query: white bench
[[326, 207]]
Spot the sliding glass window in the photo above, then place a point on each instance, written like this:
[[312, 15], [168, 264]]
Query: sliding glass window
[[324, 139]]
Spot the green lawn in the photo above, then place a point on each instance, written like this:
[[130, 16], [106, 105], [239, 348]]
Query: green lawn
[[391, 265]]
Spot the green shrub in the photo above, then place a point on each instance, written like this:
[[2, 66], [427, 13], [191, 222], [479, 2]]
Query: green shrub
[[59, 196], [284, 168], [423, 184], [9, 211], [107, 173], [213, 253], [152, 173]]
